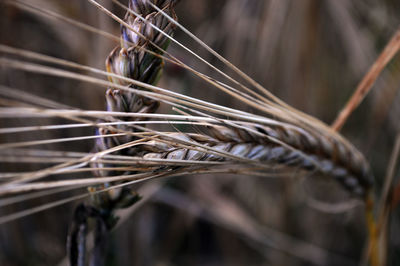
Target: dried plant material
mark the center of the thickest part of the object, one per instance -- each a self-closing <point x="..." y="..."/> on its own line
<point x="249" y="134"/>
<point x="368" y="81"/>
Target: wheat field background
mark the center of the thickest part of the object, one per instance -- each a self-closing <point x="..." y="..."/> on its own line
<point x="310" y="53"/>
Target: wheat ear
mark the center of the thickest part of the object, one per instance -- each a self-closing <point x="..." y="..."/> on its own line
<point x="291" y="144"/>
<point x="132" y="61"/>
<point x="283" y="143"/>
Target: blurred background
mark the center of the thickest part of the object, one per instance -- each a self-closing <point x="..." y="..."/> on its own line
<point x="310" y="53"/>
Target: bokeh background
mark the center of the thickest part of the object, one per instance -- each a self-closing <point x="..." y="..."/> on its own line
<point x="310" y="53"/>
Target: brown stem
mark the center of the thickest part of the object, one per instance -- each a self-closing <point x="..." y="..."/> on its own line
<point x="368" y="81"/>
